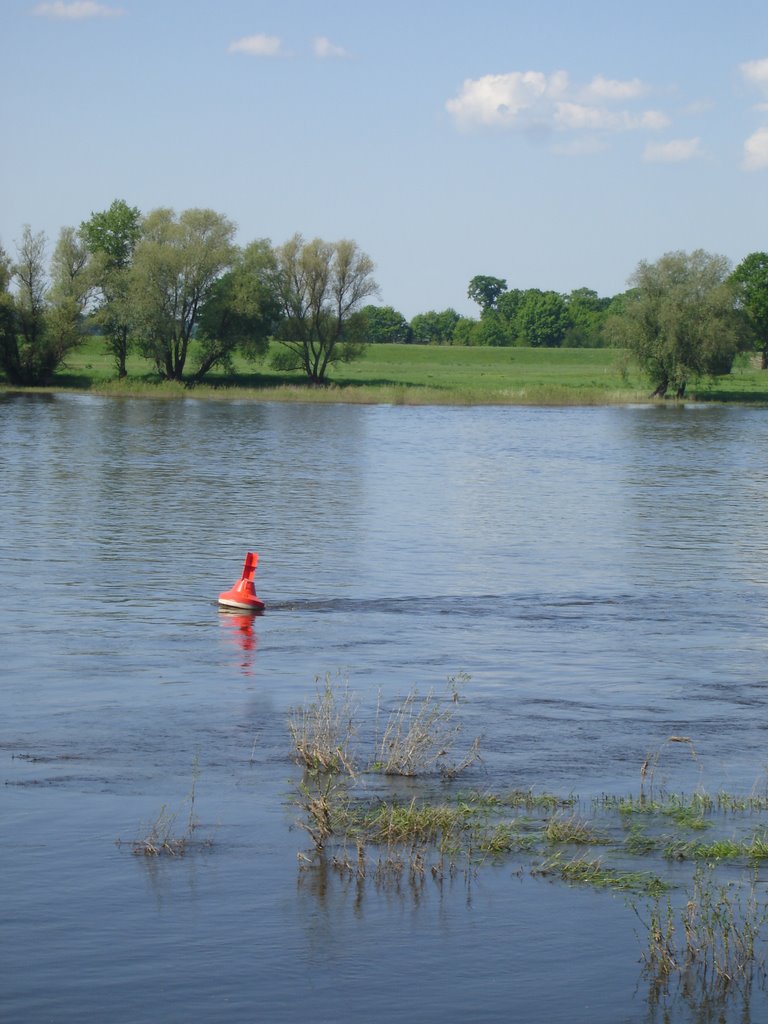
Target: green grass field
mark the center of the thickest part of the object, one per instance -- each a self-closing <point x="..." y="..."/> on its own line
<point x="424" y="375"/>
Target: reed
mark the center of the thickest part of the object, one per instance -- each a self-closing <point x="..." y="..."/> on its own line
<point x="162" y="837"/>
<point x="420" y="735"/>
<point x="322" y="731"/>
<point x="712" y="943"/>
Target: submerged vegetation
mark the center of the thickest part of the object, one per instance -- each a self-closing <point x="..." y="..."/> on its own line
<point x="166" y="835"/>
<point x="701" y="933"/>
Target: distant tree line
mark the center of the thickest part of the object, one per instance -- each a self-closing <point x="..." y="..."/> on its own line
<point x="177" y="290"/>
<point x="684" y="317"/>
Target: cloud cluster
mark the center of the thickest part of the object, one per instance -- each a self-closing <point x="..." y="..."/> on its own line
<point x="76" y="10"/>
<point x="534" y="99"/>
<point x="261" y="45"/>
<point x="755" y="73"/>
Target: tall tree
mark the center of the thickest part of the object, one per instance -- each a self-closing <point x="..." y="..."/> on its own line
<point x="241" y="312"/>
<point x="7" y="314"/>
<point x="485" y="291"/>
<point x="176" y="264"/>
<point x="679" y="320"/>
<point x="111" y="237"/>
<point x="751" y="280"/>
<point x="40" y="324"/>
<point x="321" y="286"/>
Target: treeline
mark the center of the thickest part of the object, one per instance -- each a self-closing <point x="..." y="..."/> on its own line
<point x="530" y="317"/>
<point x="177" y="290"/>
<point x="684" y="317"/>
<point x="156" y="283"/>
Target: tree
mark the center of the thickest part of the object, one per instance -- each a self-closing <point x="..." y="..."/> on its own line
<point x="507" y="306"/>
<point x="751" y="281"/>
<point x="542" y="318"/>
<point x="39" y="325"/>
<point x="7" y="314"/>
<point x="111" y="237"/>
<point x="70" y="290"/>
<point x="241" y="312"/>
<point x="320" y="287"/>
<point x="176" y="263"/>
<point x="465" y="331"/>
<point x="485" y="291"/>
<point x="433" y="328"/>
<point x="586" y="315"/>
<point x="384" y="325"/>
<point x="679" y="320"/>
<point x="493" y="330"/>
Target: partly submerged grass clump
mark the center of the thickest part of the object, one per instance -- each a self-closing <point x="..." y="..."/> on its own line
<point x="163" y="836"/>
<point x="420" y="735"/>
<point x="711" y="944"/>
<point x="755" y="848"/>
<point x="418" y="738"/>
<point x="591" y="871"/>
<point x="322" y="730"/>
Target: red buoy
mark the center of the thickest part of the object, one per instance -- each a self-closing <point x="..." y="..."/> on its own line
<point x="243" y="594"/>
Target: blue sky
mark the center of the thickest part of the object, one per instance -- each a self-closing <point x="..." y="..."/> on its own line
<point x="552" y="143"/>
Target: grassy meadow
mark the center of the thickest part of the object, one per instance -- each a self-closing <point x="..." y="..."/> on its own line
<point x="422" y="375"/>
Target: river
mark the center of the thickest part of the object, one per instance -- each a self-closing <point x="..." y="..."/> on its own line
<point x="599" y="575"/>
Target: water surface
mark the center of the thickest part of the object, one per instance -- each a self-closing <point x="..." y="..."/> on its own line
<point x="599" y="573"/>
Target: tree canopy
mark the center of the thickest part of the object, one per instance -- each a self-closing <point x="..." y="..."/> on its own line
<point x="320" y="286"/>
<point x="434" y="328"/>
<point x="111" y="237"/>
<point x="485" y="290"/>
<point x="40" y="317"/>
<point x="679" y="320"/>
<point x="384" y="324"/>
<point x="542" y="318"/>
<point x="176" y="263"/>
<point x="751" y="281"/>
<point x="241" y="311"/>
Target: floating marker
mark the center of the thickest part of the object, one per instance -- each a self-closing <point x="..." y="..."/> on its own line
<point x="243" y="594"/>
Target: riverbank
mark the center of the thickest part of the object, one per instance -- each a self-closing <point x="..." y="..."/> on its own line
<point x="420" y="375"/>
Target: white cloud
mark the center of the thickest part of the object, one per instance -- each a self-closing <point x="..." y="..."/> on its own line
<point x="500" y="99"/>
<point x="76" y="10"/>
<point x="649" y="120"/>
<point x="755" y="71"/>
<point x="324" y="48"/>
<point x="533" y="99"/>
<point x="674" y="151"/>
<point x="258" y="45"/>
<point x="756" y="151"/>
<point x="601" y="88"/>
<point x="578" y="117"/>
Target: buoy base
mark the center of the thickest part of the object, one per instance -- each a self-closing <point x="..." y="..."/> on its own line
<point x="249" y="606"/>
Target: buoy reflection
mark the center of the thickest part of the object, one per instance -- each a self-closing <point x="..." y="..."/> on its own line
<point x="240" y="631"/>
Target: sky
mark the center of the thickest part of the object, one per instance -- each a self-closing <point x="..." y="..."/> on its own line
<point x="551" y="143"/>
